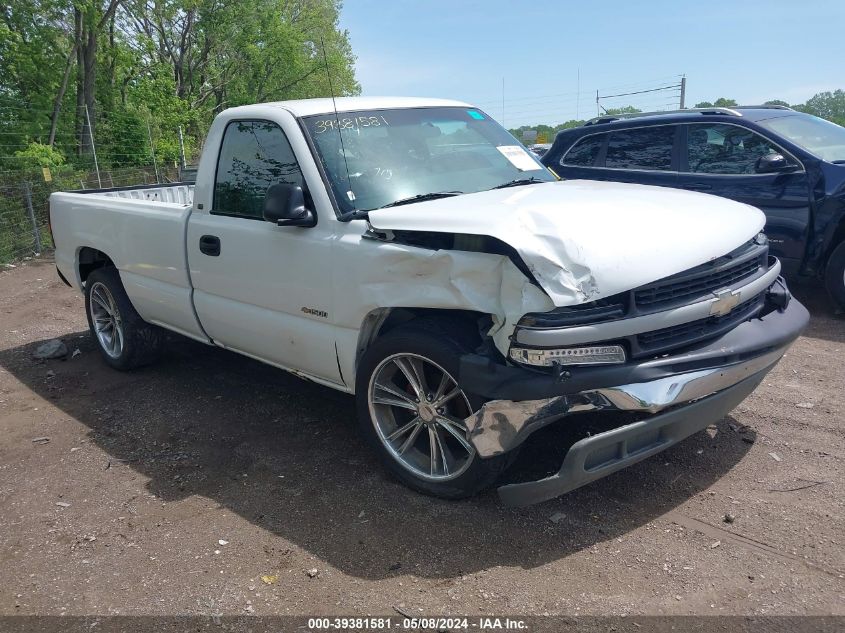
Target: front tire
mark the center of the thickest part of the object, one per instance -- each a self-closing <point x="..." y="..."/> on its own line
<point x="124" y="339"/>
<point x="411" y="410"/>
<point x="834" y="277"/>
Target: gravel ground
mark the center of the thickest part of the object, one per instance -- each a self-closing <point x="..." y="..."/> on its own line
<point x="212" y="484"/>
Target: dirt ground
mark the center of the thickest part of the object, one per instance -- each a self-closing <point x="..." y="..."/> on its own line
<point x="212" y="484"/>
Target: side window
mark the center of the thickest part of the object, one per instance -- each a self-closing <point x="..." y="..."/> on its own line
<point x="714" y="148"/>
<point x="641" y="148"/>
<point x="585" y="151"/>
<point x="253" y="156"/>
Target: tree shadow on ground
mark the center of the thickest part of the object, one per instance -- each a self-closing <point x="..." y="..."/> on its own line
<point x="285" y="455"/>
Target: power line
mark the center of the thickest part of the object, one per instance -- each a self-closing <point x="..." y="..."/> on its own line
<point x="622" y="86"/>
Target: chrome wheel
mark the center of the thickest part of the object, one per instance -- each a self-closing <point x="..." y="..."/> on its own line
<point x="418" y="410"/>
<point x="106" y="320"/>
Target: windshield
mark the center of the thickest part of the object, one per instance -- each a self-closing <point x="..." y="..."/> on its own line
<point x="394" y="155"/>
<point x="819" y="137"/>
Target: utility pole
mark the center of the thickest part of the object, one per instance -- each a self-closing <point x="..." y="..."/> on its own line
<point x="683" y="90"/>
<point x="598" y="113"/>
<point x="93" y="147"/>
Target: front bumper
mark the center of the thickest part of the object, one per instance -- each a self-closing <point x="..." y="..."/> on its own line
<point x="699" y="385"/>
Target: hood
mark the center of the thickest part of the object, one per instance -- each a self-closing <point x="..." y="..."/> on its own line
<point x="583" y="239"/>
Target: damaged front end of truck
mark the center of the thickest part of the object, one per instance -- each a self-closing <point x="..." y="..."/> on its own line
<point x="576" y="331"/>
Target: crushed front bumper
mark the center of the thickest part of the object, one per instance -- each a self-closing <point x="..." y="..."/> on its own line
<point x="686" y="392"/>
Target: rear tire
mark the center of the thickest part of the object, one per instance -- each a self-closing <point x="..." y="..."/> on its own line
<point x="834" y="277"/>
<point x="124" y="339"/>
<point x="400" y="387"/>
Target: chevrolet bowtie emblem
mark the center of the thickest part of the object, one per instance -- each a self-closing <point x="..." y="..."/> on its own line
<point x="726" y="300"/>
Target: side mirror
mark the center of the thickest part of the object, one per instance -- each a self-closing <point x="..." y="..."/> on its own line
<point x="773" y="164"/>
<point x="284" y="204"/>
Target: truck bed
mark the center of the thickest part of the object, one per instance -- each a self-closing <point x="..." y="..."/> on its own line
<point x="177" y="193"/>
<point x="142" y="230"/>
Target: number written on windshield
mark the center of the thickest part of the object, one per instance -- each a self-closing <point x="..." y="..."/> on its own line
<point x="349" y="123"/>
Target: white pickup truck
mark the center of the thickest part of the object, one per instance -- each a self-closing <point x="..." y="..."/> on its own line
<point x="411" y="252"/>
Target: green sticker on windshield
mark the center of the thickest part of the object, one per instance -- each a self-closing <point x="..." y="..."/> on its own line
<point x="475" y="115"/>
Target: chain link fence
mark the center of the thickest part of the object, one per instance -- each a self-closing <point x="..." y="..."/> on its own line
<point x="22" y="231"/>
<point x="24" y="202"/>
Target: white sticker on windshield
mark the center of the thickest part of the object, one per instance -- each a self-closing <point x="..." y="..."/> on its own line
<point x="519" y="157"/>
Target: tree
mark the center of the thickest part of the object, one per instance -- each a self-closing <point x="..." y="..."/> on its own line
<point x="546" y="131"/>
<point x="827" y="105"/>
<point x="721" y="102"/>
<point x="776" y="102"/>
<point x="623" y="110"/>
<point x="141" y="68"/>
<point x="89" y="20"/>
<point x="33" y="44"/>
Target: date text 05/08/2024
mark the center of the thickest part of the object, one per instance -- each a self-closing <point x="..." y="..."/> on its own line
<point x="416" y="624"/>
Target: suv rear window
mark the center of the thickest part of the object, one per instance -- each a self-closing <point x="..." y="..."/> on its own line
<point x="642" y="148"/>
<point x="584" y="152"/>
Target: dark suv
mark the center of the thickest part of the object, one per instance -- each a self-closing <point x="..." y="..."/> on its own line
<point x="789" y="164"/>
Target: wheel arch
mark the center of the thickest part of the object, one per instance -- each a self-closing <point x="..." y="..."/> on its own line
<point x="470" y="324"/>
<point x="89" y="259"/>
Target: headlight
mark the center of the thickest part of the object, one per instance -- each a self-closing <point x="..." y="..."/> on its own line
<point x="594" y="355"/>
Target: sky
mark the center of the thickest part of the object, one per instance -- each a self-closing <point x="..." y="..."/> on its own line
<point x="533" y="53"/>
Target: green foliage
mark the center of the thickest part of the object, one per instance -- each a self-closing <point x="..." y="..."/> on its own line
<point x="153" y="67"/>
<point x="122" y="138"/>
<point x="721" y="102"/>
<point x="827" y="105"/>
<point x="545" y="131"/>
<point x="624" y="110"/>
<point x="157" y="66"/>
<point x="38" y="155"/>
<point x="776" y="102"/>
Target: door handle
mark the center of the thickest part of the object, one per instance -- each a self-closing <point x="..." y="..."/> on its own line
<point x="210" y="245"/>
<point x="697" y="187"/>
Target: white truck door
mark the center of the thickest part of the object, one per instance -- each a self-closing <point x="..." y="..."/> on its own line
<point x="261" y="289"/>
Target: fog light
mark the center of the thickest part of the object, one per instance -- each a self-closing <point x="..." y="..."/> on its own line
<point x="594" y="355"/>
